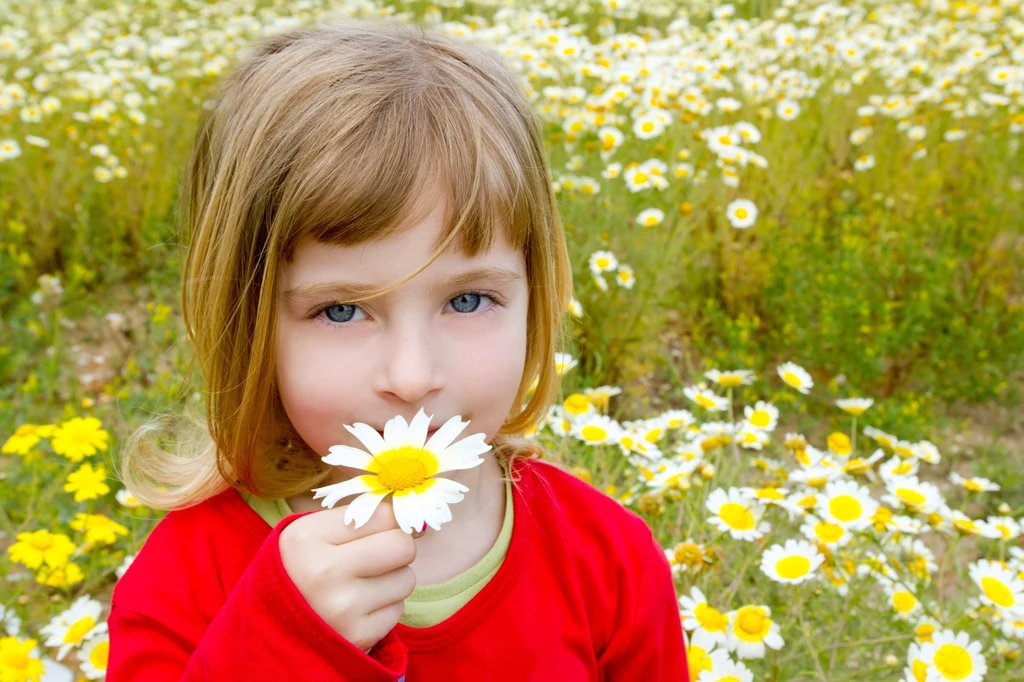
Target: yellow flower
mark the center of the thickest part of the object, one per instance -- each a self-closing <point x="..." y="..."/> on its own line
<point x="79" y="437"/>
<point x="32" y="549"/>
<point x="99" y="529"/>
<point x="87" y="483"/>
<point x="62" y="576"/>
<point x="839" y="443"/>
<point x="25" y="438"/>
<point x="16" y="664"/>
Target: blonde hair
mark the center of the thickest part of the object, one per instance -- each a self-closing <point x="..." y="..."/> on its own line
<point x="335" y="134"/>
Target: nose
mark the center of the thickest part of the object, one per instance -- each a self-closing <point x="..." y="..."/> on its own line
<point x="411" y="364"/>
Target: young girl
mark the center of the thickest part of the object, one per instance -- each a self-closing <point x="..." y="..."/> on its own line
<point x="372" y="231"/>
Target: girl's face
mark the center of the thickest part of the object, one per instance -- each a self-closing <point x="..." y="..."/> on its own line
<point x="451" y="340"/>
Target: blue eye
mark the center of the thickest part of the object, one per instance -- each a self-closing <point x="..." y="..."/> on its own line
<point x="344" y="307"/>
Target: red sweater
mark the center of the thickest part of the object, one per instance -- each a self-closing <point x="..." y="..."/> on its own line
<point x="584" y="593"/>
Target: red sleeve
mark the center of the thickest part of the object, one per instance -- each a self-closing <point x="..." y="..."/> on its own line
<point x="265" y="630"/>
<point x="649" y="644"/>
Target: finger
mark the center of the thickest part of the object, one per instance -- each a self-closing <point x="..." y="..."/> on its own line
<point x="381" y="621"/>
<point x="377" y="554"/>
<point x="380" y="591"/>
<point x="333" y="529"/>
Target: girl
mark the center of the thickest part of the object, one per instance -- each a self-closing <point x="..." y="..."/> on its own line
<point x="377" y="164"/>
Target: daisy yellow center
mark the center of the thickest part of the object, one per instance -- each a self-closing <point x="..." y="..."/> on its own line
<point x="903" y="468"/>
<point x="839" y="443"/>
<point x="576" y="404"/>
<point x="770" y="494"/>
<point x="760" y="419"/>
<point x="710" y="618"/>
<point x="729" y="678"/>
<point x="828" y="532"/>
<point x="793" y="567"/>
<point x="953" y="661"/>
<point x="688" y="554"/>
<point x="741" y="213"/>
<point x="698" y="659"/>
<point x="751" y="625"/>
<point x="704" y="401"/>
<point x="792" y="379"/>
<point x="920" y="670"/>
<point x="77" y="631"/>
<point x="737" y="516"/>
<point x="997" y="591"/>
<point x="732" y="380"/>
<point x="925" y="631"/>
<point x="602" y="262"/>
<point x="903" y="602"/>
<point x="99" y="655"/>
<point x="846" y="508"/>
<point x="593" y="433"/>
<point x="405" y="467"/>
<point x="974" y="486"/>
<point x="911" y="497"/>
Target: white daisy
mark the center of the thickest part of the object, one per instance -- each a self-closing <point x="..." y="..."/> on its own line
<point x="564" y="362"/>
<point x="73" y="626"/>
<point x="847" y="504"/>
<point x="702" y="654"/>
<point x="737" y="514"/>
<point x="731" y="377"/>
<point x="1000" y="587"/>
<point x="725" y="671"/>
<point x="831" y="535"/>
<point x="94" y="655"/>
<point x="855" y="406"/>
<point x="975" y="484"/>
<point x="404" y="464"/>
<point x="596" y="429"/>
<point x="915" y="495"/>
<point x="751" y="629"/>
<point x="953" y="656"/>
<point x="763" y="415"/>
<point x="741" y="213"/>
<point x="602" y="261"/>
<point x="698" y="616"/>
<point x="706" y="398"/>
<point x="796" y="377"/>
<point x="792" y="563"/>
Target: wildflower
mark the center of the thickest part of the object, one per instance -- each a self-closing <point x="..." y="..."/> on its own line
<point x="731" y="378"/>
<point x="726" y="671"/>
<point x="763" y="415"/>
<point x="35" y="548"/>
<point x="575" y="308"/>
<point x="87" y="483"/>
<point x="564" y="362"/>
<point x="741" y="213"/>
<point x="974" y="484"/>
<point x="751" y="629"/>
<point x="737" y="514"/>
<point x="700" y="617"/>
<point x="847" y="504"/>
<point x="127" y="499"/>
<point x="72" y="627"/>
<point x="855" y="406"/>
<point x="26" y="437"/>
<point x="1002" y="527"/>
<point x="9" y="149"/>
<point x="903" y="602"/>
<point x="859" y="465"/>
<point x="94" y="655"/>
<point x="99" y="529"/>
<point x="792" y="563"/>
<point x="678" y="419"/>
<point x="702" y="656"/>
<point x="953" y="656"/>
<point x="795" y="377"/>
<point x="839" y="443"/>
<point x="577" y="406"/>
<point x="706" y="399"/>
<point x="61" y="576"/>
<point x="824" y="533"/>
<point x="864" y="162"/>
<point x="787" y="110"/>
<point x="688" y="556"/>
<point x="602" y="261"/>
<point x="19" y="659"/>
<point x="650" y="217"/>
<point x="79" y="437"/>
<point x="596" y="429"/>
<point x="403" y="463"/>
<point x="1000" y="587"/>
<point x="37" y="141"/>
<point x="624" y="277"/>
<point x="917" y="496"/>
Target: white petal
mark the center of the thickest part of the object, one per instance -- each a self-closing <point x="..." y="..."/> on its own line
<point x="339" y="491"/>
<point x="368" y="436"/>
<point x="463" y="455"/>
<point x="362" y="508"/>
<point x="395" y="431"/>
<point x="435" y="516"/>
<point x="408" y="512"/>
<point x="446" y="490"/>
<point x="343" y="455"/>
<point x="444" y="436"/>
<point x="417" y="434"/>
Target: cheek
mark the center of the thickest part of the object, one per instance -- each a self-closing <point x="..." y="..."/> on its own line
<point x="315" y="388"/>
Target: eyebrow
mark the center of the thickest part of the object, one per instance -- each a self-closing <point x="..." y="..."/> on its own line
<point x="357" y="289"/>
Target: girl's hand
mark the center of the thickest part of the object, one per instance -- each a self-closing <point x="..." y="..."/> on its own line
<point x="356" y="580"/>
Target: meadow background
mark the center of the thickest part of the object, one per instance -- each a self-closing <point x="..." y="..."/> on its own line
<point x="771" y="207"/>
